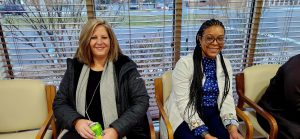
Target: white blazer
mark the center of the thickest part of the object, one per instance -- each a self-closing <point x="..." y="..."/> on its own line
<point x="177" y="102"/>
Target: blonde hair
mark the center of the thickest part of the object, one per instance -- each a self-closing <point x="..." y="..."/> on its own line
<point x="84" y="53"/>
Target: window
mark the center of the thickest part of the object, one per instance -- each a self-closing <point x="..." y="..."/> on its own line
<point x="37" y="41"/>
<point x="145" y="34"/>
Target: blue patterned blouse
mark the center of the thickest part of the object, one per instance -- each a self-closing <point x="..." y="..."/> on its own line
<point x="210" y="87"/>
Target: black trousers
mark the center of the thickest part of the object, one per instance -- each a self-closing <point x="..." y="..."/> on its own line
<point x="212" y="120"/>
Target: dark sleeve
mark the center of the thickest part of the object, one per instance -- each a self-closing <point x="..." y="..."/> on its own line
<point x="272" y="100"/>
<point x="139" y="103"/>
<point x="64" y="110"/>
<point x="292" y="86"/>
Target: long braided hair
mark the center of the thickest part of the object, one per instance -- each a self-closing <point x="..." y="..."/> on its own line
<point x="196" y="89"/>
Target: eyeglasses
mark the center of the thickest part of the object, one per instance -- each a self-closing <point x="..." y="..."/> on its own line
<point x="209" y="39"/>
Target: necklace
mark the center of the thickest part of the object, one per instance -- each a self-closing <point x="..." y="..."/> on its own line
<point x="88" y="106"/>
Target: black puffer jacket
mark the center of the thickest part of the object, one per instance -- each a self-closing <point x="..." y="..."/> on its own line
<point x="131" y="98"/>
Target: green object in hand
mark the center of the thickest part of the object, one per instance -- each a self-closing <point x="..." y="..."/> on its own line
<point x="96" y="128"/>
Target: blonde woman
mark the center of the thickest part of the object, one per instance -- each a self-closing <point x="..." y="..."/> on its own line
<point x="101" y="85"/>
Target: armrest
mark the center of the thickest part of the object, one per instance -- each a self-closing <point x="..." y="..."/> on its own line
<point x="151" y="127"/>
<point x="271" y="120"/>
<point x="249" y="126"/>
<point x="51" y="92"/>
<point x="45" y="126"/>
<point x="166" y="120"/>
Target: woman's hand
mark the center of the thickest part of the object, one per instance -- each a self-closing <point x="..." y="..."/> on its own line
<point x="233" y="132"/>
<point x="110" y="133"/>
<point x="83" y="128"/>
<point x="208" y="136"/>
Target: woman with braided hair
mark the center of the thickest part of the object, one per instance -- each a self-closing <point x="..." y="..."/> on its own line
<point x="201" y="104"/>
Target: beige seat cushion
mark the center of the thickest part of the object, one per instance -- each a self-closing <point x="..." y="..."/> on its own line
<point x="23" y="105"/>
<point x="25" y="135"/>
<point x="257" y="79"/>
<point x="167" y="88"/>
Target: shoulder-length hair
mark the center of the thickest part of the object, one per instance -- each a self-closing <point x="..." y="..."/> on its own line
<point x="84" y="53"/>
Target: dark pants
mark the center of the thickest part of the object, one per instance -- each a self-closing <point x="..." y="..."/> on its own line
<point x="183" y="132"/>
<point x="212" y="120"/>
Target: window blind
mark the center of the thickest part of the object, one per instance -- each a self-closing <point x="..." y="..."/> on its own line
<point x="279" y="32"/>
<point x="38" y="37"/>
<point x="145" y="34"/>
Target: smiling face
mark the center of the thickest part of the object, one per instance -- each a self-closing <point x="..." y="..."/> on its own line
<point x="212" y="41"/>
<point x="100" y="43"/>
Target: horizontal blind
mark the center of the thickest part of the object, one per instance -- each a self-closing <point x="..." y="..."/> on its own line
<point x="145" y="34"/>
<point x="39" y="36"/>
<point x="279" y="32"/>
